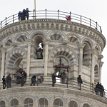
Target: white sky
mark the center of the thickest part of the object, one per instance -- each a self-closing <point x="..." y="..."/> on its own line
<point x="94" y="9"/>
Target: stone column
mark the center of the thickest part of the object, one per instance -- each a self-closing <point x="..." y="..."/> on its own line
<point x="46" y="60"/>
<point x="80" y="60"/>
<point x="3" y="63"/>
<point x="92" y="66"/>
<point x="28" y="59"/>
<point x="35" y="104"/>
<point x="47" y="78"/>
<point x="100" y="66"/>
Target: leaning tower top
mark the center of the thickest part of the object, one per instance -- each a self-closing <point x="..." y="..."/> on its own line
<point x="54" y="56"/>
<point x="68" y="18"/>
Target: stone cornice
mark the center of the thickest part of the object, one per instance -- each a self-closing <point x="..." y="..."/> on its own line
<point x="52" y="90"/>
<point x="53" y="24"/>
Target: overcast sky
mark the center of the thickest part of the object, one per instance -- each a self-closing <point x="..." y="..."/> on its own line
<point x="94" y="9"/>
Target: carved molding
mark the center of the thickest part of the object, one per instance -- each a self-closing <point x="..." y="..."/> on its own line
<point x="52" y="24"/>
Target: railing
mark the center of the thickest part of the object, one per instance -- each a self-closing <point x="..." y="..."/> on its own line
<point x="73" y="85"/>
<point x="49" y="14"/>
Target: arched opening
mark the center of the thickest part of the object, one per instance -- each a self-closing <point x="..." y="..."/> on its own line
<point x="2" y="104"/>
<point x="38" y="48"/>
<point x="22" y="38"/>
<point x="15" y="61"/>
<point x="28" y="102"/>
<point x="87" y="54"/>
<point x="72" y="104"/>
<point x="43" y="102"/>
<point x="56" y="37"/>
<point x="14" y="103"/>
<point x="61" y="69"/>
<point x="14" y="65"/>
<point x="86" y="105"/>
<point x="96" y="74"/>
<point x="8" y="43"/>
<point x="58" y="103"/>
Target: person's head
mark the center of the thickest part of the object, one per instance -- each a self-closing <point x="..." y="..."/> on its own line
<point x="27" y="9"/>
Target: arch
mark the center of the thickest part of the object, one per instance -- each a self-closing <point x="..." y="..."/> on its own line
<point x="28" y="102"/>
<point x="72" y="104"/>
<point x="21" y="38"/>
<point x="43" y="102"/>
<point x="38" y="33"/>
<point x="74" y="38"/>
<point x="96" y="74"/>
<point x="87" y="54"/>
<point x="66" y="52"/>
<point x="2" y="103"/>
<point x="15" y="60"/>
<point x="58" y="103"/>
<point x="9" y="42"/>
<point x="38" y="47"/>
<point x="56" y="36"/>
<point x="86" y="105"/>
<point x="14" y="103"/>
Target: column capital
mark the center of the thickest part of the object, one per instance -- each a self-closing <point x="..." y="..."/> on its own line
<point x="100" y="57"/>
<point x="81" y="47"/>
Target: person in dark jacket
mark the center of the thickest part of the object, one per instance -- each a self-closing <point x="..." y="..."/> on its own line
<point x="4" y="82"/>
<point x="101" y="90"/>
<point x="8" y="81"/>
<point x="33" y="80"/>
<point x="53" y="79"/>
<point x="19" y="15"/>
<point x="27" y="13"/>
<point x="79" y="80"/>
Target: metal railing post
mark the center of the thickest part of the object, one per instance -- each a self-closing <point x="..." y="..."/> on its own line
<point x="70" y="14"/>
<point x="80" y="19"/>
<point x="58" y="14"/>
<point x="100" y="29"/>
<point x="33" y="13"/>
<point x="96" y="25"/>
<point x="6" y="21"/>
<point x="45" y="13"/>
<point x="13" y="18"/>
<point x="90" y="22"/>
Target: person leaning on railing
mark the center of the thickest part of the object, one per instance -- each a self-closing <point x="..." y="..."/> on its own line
<point x="23" y="15"/>
<point x="99" y="89"/>
<point x="79" y="80"/>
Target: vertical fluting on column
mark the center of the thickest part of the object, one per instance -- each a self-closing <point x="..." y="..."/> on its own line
<point x="28" y="59"/>
<point x="3" y="62"/>
<point x="80" y="60"/>
<point x="46" y="60"/>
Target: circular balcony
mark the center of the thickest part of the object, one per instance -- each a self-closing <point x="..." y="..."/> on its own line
<point x="49" y="14"/>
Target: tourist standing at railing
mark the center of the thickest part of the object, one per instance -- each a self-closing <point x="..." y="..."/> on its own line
<point x="4" y="82"/>
<point x="19" y="15"/>
<point x="99" y="89"/>
<point x="27" y="13"/>
<point x="33" y="80"/>
<point x="53" y="79"/>
<point x="79" y="80"/>
<point x="24" y="14"/>
<point x="8" y="81"/>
